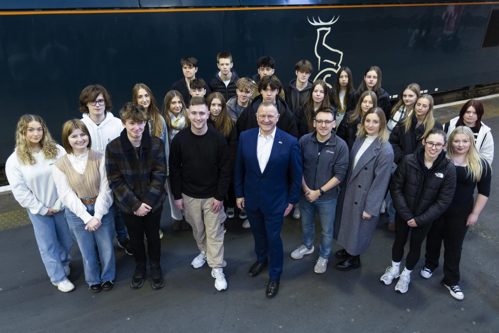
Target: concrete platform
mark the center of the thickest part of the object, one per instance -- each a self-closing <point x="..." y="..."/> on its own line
<point x="333" y="302"/>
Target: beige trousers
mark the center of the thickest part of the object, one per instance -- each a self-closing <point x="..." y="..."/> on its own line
<point x="207" y="228"/>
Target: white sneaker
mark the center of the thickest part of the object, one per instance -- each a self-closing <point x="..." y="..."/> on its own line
<point x="230" y="213"/>
<point x="246" y="224"/>
<point x="426" y="273"/>
<point x="65" y="286"/>
<point x="403" y="283"/>
<point x="220" y="282"/>
<point x="391" y="273"/>
<point x="301" y="251"/>
<point x="455" y="291"/>
<point x="296" y="213"/>
<point x="199" y="260"/>
<point x="321" y="265"/>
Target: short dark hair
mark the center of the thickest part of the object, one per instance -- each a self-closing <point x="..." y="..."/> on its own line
<point x="304" y="66"/>
<point x="224" y="54"/>
<point x="265" y="61"/>
<point x="189" y="61"/>
<point x="326" y="110"/>
<point x="133" y="112"/>
<point x="198" y="100"/>
<point x="68" y="128"/>
<point x="90" y="93"/>
<point x="269" y="80"/>
<point x="197" y="84"/>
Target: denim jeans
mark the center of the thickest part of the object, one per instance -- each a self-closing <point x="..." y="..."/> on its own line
<point x="327" y="211"/>
<point x="54" y="243"/>
<point x="119" y="224"/>
<point x="96" y="247"/>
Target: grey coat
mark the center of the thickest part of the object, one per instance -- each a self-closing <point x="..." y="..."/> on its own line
<point x="364" y="190"/>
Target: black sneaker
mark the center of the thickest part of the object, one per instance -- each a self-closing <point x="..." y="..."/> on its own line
<point x="125" y="245"/>
<point x="138" y="278"/>
<point x="108" y="285"/>
<point x="157" y="280"/>
<point x="95" y="288"/>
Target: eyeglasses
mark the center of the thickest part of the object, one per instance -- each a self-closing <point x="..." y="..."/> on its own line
<point x="434" y="144"/>
<point x="325" y="122"/>
<point x="99" y="102"/>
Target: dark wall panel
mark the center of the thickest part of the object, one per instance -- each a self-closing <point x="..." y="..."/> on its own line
<point x="46" y="60"/>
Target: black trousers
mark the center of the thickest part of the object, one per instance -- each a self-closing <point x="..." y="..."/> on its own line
<point x="148" y="225"/>
<point x="417" y="236"/>
<point x="450" y="229"/>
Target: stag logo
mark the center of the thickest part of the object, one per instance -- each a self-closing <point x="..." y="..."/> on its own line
<point x="328" y="58"/>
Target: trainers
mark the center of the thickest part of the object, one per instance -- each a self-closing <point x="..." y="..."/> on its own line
<point x="301" y="251"/>
<point x="161" y="234"/>
<point x="321" y="265"/>
<point x="243" y="215"/>
<point x="125" y="245"/>
<point x="65" y="286"/>
<point x="391" y="273"/>
<point x="199" y="260"/>
<point x="296" y="213"/>
<point x="230" y="213"/>
<point x="246" y="224"/>
<point x="455" y="291"/>
<point x="403" y="283"/>
<point x="138" y="277"/>
<point x="157" y="280"/>
<point x="426" y="273"/>
<point x="220" y="282"/>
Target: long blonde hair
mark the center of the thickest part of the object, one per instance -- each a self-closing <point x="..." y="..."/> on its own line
<point x="383" y="133"/>
<point x="416" y="89"/>
<point x="429" y="120"/>
<point x="23" y="147"/>
<point x="473" y="159"/>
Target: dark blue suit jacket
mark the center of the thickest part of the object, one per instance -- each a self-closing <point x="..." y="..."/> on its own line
<point x="279" y="184"/>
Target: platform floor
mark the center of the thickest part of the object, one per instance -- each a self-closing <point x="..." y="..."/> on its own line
<point x="333" y="302"/>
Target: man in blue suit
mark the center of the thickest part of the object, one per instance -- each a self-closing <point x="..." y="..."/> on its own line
<point x="268" y="175"/>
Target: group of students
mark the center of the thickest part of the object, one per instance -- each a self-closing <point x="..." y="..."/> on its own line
<point x="114" y="172"/>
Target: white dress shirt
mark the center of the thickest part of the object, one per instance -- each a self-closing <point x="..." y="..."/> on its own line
<point x="264" y="148"/>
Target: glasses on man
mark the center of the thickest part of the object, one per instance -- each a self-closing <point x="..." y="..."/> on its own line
<point x="437" y="145"/>
<point x="323" y="122"/>
<point x="99" y="101"/>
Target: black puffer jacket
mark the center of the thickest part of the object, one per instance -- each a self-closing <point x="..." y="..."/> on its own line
<point x="348" y="131"/>
<point x="405" y="143"/>
<point x="422" y="193"/>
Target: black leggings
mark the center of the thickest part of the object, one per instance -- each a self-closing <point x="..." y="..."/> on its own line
<point x="417" y="236"/>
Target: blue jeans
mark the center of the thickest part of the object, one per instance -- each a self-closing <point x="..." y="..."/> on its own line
<point x="96" y="247"/>
<point x="327" y="211"/>
<point x="119" y="224"/>
<point x="54" y="243"/>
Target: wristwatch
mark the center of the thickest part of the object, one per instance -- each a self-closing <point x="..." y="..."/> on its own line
<point x="321" y="191"/>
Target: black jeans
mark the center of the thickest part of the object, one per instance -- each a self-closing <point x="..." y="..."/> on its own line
<point x="148" y="225"/>
<point x="450" y="229"/>
<point x="417" y="236"/>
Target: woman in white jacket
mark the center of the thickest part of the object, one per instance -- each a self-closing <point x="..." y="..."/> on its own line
<point x="471" y="116"/>
<point x="29" y="172"/>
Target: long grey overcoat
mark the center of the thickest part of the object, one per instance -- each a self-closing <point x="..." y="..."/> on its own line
<point x="364" y="190"/>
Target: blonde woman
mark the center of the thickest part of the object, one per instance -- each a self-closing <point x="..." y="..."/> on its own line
<point x="407" y="136"/>
<point x="472" y="172"/>
<point x="371" y="159"/>
<point x="29" y="172"/>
